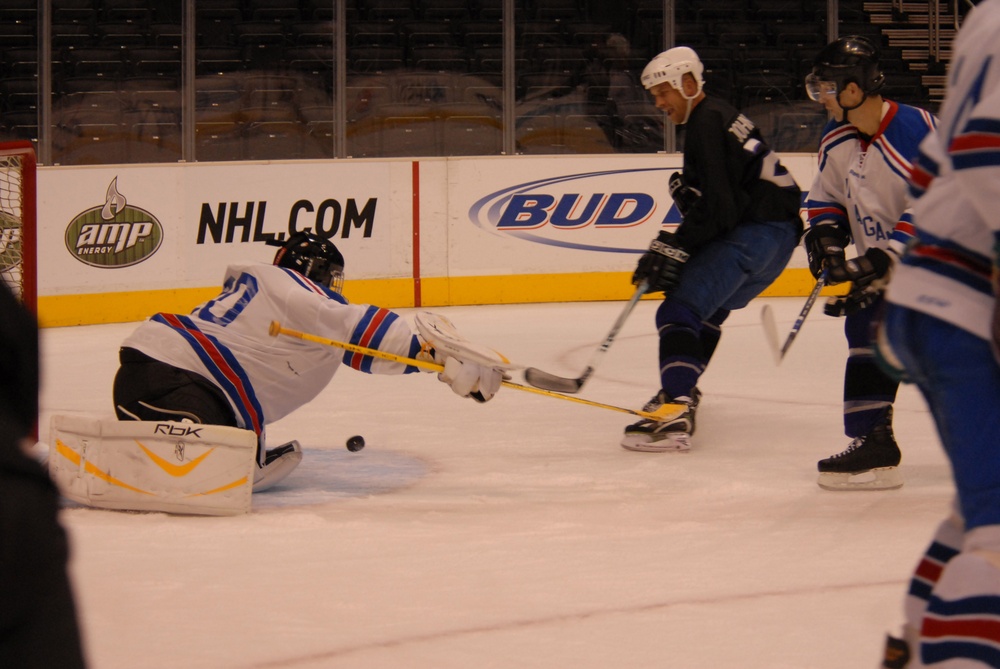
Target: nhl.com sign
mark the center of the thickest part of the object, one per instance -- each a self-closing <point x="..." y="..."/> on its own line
<point x="592" y="211"/>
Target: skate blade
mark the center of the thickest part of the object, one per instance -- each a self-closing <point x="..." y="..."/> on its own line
<point x="675" y="443"/>
<point x="880" y="478"/>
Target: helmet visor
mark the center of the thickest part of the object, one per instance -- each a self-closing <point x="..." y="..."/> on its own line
<point x="336" y="283"/>
<point x="818" y="88"/>
<point x="327" y="273"/>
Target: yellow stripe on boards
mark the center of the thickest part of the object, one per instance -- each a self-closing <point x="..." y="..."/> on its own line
<point x="127" y="307"/>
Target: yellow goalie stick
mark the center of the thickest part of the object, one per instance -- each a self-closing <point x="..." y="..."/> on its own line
<point x="665" y="412"/>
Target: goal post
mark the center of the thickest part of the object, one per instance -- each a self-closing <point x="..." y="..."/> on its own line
<point x="18" y="240"/>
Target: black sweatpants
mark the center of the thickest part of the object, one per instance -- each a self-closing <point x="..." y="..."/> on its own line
<point x="147" y="389"/>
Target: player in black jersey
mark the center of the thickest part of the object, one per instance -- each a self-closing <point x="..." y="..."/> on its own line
<point x="741" y="223"/>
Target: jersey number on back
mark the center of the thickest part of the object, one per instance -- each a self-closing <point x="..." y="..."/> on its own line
<point x="235" y="297"/>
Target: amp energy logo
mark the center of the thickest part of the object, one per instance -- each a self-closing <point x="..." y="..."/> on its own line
<point x="115" y="234"/>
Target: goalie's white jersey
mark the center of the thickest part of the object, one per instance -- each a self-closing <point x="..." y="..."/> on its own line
<point x="226" y="340"/>
<point x="957" y="179"/>
<point x="861" y="186"/>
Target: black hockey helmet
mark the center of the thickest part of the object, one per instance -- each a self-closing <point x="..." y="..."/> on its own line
<point x="314" y="257"/>
<point x="849" y="59"/>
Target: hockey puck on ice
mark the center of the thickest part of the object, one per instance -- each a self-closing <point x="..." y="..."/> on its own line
<point x="355" y="443"/>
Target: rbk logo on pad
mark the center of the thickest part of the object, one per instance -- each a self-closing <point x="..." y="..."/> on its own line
<point x="174" y="430"/>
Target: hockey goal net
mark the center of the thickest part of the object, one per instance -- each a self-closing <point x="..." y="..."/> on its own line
<point x="17" y="220"/>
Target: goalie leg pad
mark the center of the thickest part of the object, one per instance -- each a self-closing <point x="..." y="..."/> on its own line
<point x="182" y="468"/>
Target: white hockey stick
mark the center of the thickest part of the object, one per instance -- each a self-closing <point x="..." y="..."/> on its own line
<point x="771" y="328"/>
<point x="665" y="412"/>
<point x="561" y="384"/>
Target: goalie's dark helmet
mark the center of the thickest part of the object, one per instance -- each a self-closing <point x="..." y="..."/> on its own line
<point x="314" y="257"/>
<point x="850" y="59"/>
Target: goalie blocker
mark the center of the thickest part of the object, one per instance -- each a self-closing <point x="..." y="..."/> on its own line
<point x="153" y="466"/>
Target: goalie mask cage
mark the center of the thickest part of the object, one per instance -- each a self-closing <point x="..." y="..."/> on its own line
<point x="18" y="259"/>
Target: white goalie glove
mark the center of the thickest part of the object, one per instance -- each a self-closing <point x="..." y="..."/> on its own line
<point x="469" y="379"/>
<point x="471" y="370"/>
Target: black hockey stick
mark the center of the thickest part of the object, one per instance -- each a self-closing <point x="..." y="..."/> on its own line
<point x="771" y="328"/>
<point x="547" y="381"/>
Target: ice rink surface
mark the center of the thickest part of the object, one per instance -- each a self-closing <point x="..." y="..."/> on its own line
<point x="518" y="534"/>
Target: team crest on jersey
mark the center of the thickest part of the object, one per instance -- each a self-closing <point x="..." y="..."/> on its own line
<point x="114" y="234"/>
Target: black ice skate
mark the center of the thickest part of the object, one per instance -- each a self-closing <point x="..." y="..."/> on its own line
<point x="672" y="435"/>
<point x="278" y="463"/>
<point x="869" y="463"/>
<point x="897" y="653"/>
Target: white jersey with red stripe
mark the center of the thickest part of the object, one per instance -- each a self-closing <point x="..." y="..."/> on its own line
<point x="861" y="186"/>
<point x="957" y="179"/>
<point x="226" y="340"/>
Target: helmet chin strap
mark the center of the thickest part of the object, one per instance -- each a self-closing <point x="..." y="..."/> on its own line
<point x="690" y="106"/>
<point x="864" y="96"/>
<point x="687" y="113"/>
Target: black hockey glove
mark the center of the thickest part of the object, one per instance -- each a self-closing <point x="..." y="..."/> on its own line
<point x="825" y="248"/>
<point x="661" y="265"/>
<point x="863" y="270"/>
<point x="684" y="196"/>
<point x="868" y="275"/>
<point x="854" y="301"/>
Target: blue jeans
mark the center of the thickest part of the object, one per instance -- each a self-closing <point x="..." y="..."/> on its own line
<point x="960" y="379"/>
<point x="723" y="275"/>
<point x="729" y="272"/>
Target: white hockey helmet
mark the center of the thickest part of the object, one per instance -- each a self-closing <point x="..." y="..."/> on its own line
<point x="671" y="66"/>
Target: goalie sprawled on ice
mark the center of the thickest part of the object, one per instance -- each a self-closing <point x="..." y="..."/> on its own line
<point x="218" y="366"/>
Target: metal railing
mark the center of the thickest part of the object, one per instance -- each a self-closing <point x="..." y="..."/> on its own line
<point x="936" y="22"/>
<point x="633" y="124"/>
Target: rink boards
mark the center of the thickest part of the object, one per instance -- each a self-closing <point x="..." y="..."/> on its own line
<point x="117" y="243"/>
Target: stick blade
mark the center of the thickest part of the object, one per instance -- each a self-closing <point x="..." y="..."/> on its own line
<point x="667" y="411"/>
<point x="559" y="384"/>
<point x="771" y="333"/>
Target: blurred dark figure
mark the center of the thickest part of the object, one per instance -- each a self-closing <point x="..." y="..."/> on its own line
<point x="38" y="624"/>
